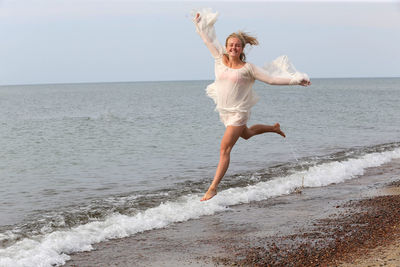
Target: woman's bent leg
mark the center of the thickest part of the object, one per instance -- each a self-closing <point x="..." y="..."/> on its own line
<point x="260" y="129"/>
<point x="231" y="135"/>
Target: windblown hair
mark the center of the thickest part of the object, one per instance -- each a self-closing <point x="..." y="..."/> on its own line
<point x="245" y="39"/>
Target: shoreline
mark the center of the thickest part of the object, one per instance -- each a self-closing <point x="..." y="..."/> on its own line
<point x="334" y="225"/>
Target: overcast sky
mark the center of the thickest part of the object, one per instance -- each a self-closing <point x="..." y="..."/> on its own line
<point x="69" y="41"/>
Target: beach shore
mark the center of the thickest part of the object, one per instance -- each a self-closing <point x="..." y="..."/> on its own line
<point x="355" y="223"/>
<point x="386" y="252"/>
<point x="386" y="255"/>
<point x="365" y="233"/>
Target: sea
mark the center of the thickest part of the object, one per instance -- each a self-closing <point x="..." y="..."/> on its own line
<point x="90" y="162"/>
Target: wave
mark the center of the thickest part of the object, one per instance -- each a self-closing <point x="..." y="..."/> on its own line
<point x="52" y="248"/>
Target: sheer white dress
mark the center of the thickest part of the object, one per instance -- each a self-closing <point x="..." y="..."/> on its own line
<point x="232" y="89"/>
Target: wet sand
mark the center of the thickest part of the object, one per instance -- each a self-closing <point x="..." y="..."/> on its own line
<point x="351" y="222"/>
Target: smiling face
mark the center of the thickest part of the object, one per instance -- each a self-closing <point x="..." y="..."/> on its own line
<point x="234" y="47"/>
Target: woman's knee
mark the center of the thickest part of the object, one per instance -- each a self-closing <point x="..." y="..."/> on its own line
<point x="232" y="133"/>
<point x="225" y="150"/>
<point x="246" y="134"/>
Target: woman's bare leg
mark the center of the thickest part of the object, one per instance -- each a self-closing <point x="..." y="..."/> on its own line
<point x="260" y="129"/>
<point x="231" y="135"/>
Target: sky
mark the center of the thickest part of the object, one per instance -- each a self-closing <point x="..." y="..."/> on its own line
<point x="73" y="41"/>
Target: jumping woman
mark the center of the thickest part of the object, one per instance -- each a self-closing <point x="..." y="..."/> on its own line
<point x="232" y="90"/>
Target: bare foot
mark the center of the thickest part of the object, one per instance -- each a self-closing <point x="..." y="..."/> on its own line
<point x="277" y="129"/>
<point x="209" y="194"/>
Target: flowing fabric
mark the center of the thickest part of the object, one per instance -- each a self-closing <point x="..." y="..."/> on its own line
<point x="282" y="67"/>
<point x="232" y="89"/>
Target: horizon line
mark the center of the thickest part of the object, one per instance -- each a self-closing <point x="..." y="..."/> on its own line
<point x="188" y="80"/>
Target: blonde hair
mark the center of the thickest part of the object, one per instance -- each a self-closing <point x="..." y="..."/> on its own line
<point x="245" y="39"/>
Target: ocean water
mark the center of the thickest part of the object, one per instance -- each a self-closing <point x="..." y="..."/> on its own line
<point x="84" y="163"/>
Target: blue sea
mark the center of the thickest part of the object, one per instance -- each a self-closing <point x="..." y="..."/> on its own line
<point x="85" y="163"/>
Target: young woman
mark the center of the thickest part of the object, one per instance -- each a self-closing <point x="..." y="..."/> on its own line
<point x="232" y="90"/>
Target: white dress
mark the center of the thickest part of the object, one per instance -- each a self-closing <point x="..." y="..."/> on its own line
<point x="232" y="89"/>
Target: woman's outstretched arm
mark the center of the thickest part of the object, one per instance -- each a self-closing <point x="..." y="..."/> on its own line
<point x="261" y="75"/>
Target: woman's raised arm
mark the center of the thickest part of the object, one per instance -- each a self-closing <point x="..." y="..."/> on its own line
<point x="204" y="21"/>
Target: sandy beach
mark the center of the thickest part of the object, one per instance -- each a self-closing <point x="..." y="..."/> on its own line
<point x="386" y="255"/>
<point x="355" y="223"/>
<point x="387" y="251"/>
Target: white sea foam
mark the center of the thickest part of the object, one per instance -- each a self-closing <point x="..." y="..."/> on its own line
<point x="53" y="248"/>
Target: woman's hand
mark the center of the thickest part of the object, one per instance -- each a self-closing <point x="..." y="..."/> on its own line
<point x="304" y="82"/>
<point x="197" y="18"/>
